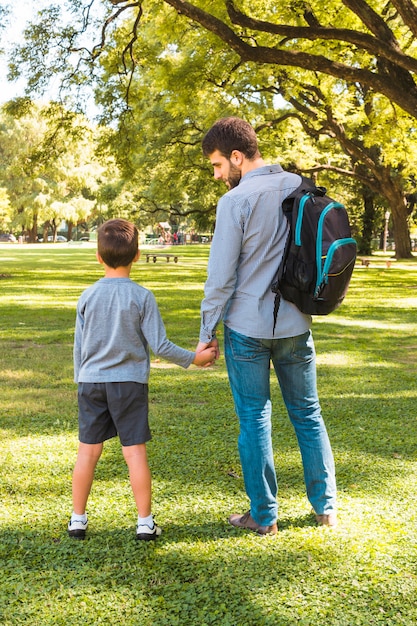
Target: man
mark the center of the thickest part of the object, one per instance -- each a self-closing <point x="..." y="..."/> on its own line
<point x="247" y="247"/>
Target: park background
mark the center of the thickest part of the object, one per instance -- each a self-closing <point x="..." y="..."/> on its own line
<point x="103" y="112"/>
<point x="112" y="99"/>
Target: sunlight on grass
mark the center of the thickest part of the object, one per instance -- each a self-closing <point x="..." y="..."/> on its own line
<point x="39" y="300"/>
<point x="202" y="571"/>
<point x="349" y="360"/>
<point x="370" y="323"/>
<point x="18" y="377"/>
<point x="400" y="395"/>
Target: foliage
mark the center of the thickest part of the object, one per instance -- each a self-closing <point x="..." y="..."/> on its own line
<point x="47" y="167"/>
<point x="339" y="126"/>
<point x="158" y="138"/>
<point x="379" y="161"/>
<point x="372" y="45"/>
<point x="201" y="570"/>
<point x="161" y="80"/>
<point x="4" y="210"/>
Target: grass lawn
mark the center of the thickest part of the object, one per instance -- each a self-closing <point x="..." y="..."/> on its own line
<point x="202" y="571"/>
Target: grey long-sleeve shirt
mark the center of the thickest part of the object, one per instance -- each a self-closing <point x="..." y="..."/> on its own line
<point x="117" y="321"/>
<point x="246" y="250"/>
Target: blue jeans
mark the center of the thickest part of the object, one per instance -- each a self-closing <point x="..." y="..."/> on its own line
<point x="294" y="361"/>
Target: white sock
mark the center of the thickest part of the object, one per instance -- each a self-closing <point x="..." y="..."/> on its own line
<point x="80" y="518"/>
<point x="146" y="520"/>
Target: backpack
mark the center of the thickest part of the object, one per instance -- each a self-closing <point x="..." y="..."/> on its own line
<point x="319" y="254"/>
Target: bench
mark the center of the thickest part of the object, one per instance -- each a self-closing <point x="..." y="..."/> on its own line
<point x="154" y="256"/>
<point x="367" y="263"/>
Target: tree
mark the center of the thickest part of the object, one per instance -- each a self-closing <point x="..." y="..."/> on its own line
<point x="5" y="210"/>
<point x="45" y="168"/>
<point x="381" y="155"/>
<point x="157" y="140"/>
<point x="169" y="122"/>
<point x="374" y="48"/>
<point x="374" y="52"/>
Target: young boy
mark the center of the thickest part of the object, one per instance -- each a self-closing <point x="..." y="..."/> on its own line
<point x="117" y="321"/>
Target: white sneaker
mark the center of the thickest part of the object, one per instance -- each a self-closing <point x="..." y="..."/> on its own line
<point x="146" y="533"/>
<point x="77" y="528"/>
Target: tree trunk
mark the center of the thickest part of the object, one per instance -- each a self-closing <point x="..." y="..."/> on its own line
<point x="398" y="206"/>
<point x="54" y="230"/>
<point x="33" y="231"/>
<point x="401" y="235"/>
<point x="45" y="231"/>
<point x="368" y="220"/>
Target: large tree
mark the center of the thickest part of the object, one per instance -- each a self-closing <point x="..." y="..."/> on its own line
<point x="374" y="51"/>
<point x="378" y="139"/>
<point x="46" y="170"/>
<point x="375" y="46"/>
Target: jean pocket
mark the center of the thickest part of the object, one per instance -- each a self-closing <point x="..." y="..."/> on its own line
<point x="303" y="348"/>
<point x="243" y="348"/>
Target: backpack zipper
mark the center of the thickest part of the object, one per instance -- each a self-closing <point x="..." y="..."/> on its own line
<point x="324" y="277"/>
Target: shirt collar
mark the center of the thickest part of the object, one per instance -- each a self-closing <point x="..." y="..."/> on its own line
<point x="262" y="171"/>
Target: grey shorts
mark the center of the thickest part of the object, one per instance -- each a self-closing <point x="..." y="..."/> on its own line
<point x="109" y="409"/>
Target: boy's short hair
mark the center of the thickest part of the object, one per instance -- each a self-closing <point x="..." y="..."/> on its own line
<point x="228" y="134"/>
<point x="117" y="242"/>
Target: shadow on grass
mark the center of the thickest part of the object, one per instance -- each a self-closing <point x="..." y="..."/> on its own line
<point x="201" y="574"/>
<point x="182" y="584"/>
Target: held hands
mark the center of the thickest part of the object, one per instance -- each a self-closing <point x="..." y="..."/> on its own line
<point x="206" y="353"/>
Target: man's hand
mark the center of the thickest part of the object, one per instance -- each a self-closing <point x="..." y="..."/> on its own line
<point x="205" y="357"/>
<point x="206" y="353"/>
<point x="212" y="344"/>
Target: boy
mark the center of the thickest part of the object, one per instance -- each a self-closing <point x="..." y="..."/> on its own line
<point x="117" y="320"/>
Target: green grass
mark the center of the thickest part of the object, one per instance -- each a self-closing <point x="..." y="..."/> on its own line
<point x="202" y="571"/>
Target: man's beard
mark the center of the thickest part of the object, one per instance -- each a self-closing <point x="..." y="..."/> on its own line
<point x="234" y="176"/>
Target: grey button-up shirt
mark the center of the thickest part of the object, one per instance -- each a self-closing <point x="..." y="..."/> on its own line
<point x="117" y="322"/>
<point x="246" y="250"/>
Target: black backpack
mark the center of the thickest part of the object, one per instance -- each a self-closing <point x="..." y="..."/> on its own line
<point x="319" y="254"/>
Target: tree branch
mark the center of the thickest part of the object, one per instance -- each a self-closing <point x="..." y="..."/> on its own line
<point x="402" y="90"/>
<point x="408" y="12"/>
<point x="98" y="49"/>
<point x="367" y="180"/>
<point x="372" y="21"/>
<point x="388" y="49"/>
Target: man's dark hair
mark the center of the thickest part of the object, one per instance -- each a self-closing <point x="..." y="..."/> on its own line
<point x="228" y="134"/>
<point x="117" y="242"/>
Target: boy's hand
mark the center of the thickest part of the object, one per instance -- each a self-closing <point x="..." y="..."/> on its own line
<point x="214" y="343"/>
<point x="205" y="357"/>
